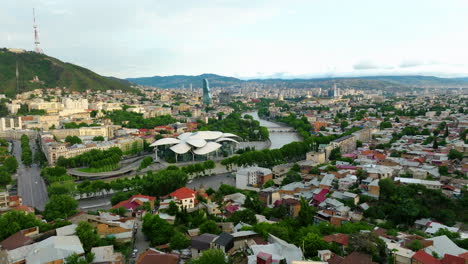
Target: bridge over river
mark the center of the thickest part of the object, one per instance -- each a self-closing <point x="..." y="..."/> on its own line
<point x="280" y="135"/>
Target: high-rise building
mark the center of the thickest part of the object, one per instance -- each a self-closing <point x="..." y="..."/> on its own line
<point x="206" y="92"/>
<point x="225" y="97"/>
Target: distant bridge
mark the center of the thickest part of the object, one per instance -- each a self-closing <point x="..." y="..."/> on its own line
<point x="281" y="129"/>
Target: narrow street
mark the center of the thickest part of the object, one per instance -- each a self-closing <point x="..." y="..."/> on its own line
<point x="31" y="186"/>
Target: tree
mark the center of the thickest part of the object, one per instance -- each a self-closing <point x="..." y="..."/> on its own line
<point x="385" y="124"/>
<point x="368" y="243"/>
<point x="72" y="140"/>
<point x="77" y="259"/>
<point x="344" y="124"/>
<point x="98" y="138"/>
<point x="60" y="207"/>
<point x="210" y="227"/>
<point x="268" y="184"/>
<point x="313" y="242"/>
<point x="358" y="143"/>
<point x="163" y="182"/>
<point x="179" y="241"/>
<point x="88" y="235"/>
<point x="11" y="164"/>
<point x="5" y="177"/>
<point x="443" y="170"/>
<point x="146" y="162"/>
<point x="306" y="214"/>
<point x="173" y="208"/>
<point x="448" y="233"/>
<point x="415" y="245"/>
<point x="14" y="221"/>
<point x="246" y="216"/>
<point x="335" y="154"/>
<point x="435" y="145"/>
<point x="156" y="229"/>
<point x="291" y="176"/>
<point x="211" y="256"/>
<point x="121" y="196"/>
<point x="361" y="174"/>
<point x="455" y="154"/>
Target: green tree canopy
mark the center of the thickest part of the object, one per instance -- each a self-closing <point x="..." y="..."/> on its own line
<point x="88" y="235"/>
<point x="60" y="207"/>
<point x="211" y="256"/>
<point x="211" y="227"/>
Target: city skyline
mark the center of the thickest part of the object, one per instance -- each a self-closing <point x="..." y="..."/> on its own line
<point x="263" y="39"/>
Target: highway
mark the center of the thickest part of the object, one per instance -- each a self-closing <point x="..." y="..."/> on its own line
<point x="31" y="186"/>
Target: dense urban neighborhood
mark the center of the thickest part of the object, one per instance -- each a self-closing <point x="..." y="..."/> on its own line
<point x="234" y="175"/>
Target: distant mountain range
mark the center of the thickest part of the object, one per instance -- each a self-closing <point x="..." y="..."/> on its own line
<point x="370" y="82"/>
<point x="51" y="72"/>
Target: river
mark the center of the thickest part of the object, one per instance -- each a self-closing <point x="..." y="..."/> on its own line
<point x="278" y="139"/>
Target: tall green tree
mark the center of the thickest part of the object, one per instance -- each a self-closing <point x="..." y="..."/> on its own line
<point x="157" y="230"/>
<point x="60" y="207"/>
<point x="88" y="235"/>
<point x="211" y="256"/>
<point x="210" y="227"/>
<point x="179" y="241"/>
<point x="11" y="164"/>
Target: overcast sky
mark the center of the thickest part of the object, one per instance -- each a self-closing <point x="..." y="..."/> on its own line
<point x="246" y="38"/>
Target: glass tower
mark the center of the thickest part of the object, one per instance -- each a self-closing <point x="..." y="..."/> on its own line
<point x="206" y="92"/>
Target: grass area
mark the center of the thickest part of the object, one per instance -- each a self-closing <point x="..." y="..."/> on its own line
<point x="97" y="170"/>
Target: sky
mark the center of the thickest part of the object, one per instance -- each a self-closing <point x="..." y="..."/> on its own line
<point x="247" y="38"/>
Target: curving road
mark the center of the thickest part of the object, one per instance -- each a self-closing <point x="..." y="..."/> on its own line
<point x="31" y="186"/>
<point x="128" y="168"/>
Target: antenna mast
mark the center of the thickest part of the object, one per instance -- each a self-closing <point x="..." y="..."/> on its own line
<point x="36" y="35"/>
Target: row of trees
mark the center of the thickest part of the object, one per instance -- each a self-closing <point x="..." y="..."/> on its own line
<point x="288" y="153"/>
<point x="145" y="162"/>
<point x="71" y="125"/>
<point x="26" y="153"/>
<point x="199" y="169"/>
<point x="135" y="120"/>
<point x="94" y="158"/>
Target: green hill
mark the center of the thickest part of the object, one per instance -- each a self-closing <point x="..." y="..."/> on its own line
<point x="51" y="72"/>
<point x="176" y="81"/>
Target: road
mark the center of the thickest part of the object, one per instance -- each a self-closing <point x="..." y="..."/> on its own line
<point x="95" y="203"/>
<point x="140" y="243"/>
<point x="212" y="181"/>
<point x="31" y="186"/>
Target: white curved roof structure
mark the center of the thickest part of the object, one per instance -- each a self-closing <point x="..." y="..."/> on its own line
<point x="227" y="139"/>
<point x="201" y="142"/>
<point x="165" y="141"/>
<point x="209" y="147"/>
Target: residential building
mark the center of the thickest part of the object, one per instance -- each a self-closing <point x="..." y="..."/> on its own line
<point x="184" y="197"/>
<point x="252" y="177"/>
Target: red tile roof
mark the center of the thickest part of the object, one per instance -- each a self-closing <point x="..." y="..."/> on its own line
<point x="451" y="259"/>
<point x="133" y="202"/>
<point x="464" y="255"/>
<point x="425" y="258"/>
<point x="321" y="196"/>
<point x="183" y="193"/>
<point x="341" y="239"/>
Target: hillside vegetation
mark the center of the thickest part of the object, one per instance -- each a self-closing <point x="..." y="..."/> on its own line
<point x="366" y="82"/>
<point x="51" y="72"/>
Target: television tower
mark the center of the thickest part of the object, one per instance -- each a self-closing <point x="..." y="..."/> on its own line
<point x="36" y="35"/>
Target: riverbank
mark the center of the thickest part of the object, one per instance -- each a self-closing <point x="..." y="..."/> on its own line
<point x="277" y="139"/>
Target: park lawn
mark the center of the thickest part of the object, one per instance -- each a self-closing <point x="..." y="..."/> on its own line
<point x="97" y="170"/>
